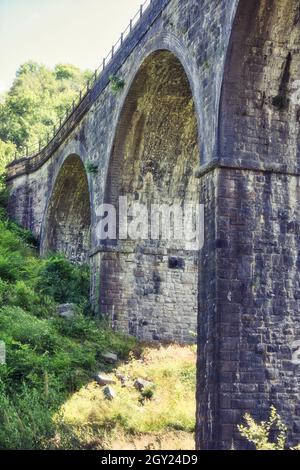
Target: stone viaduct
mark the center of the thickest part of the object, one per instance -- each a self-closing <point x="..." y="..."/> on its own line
<point x="210" y="112"/>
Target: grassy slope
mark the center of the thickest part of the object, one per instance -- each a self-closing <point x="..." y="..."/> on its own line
<point x="50" y="359"/>
<point x="47" y="357"/>
<point x="166" y="421"/>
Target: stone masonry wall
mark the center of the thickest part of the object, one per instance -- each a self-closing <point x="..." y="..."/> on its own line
<point x="68" y="222"/>
<point x="248" y="153"/>
<point x="154" y="161"/>
<point x="144" y="297"/>
<point x="257" y="221"/>
<point x="260" y="111"/>
<point x="258" y="304"/>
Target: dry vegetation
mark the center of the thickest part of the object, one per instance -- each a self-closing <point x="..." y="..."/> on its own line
<point x="166" y="421"/>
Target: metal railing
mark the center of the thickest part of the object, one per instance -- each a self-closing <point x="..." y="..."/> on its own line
<point x="28" y="152"/>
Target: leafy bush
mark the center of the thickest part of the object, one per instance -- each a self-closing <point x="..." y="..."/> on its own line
<point x="25" y="236"/>
<point x="11" y="265"/>
<point x="117" y="84"/>
<point x="25" y="419"/>
<point x="4" y="291"/>
<point x="91" y="168"/>
<point x="266" y="435"/>
<point x="47" y="357"/>
<point x="64" y="281"/>
<point x="4" y="195"/>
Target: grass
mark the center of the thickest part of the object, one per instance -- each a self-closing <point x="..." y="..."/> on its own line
<point x="47" y="397"/>
<point x="130" y="421"/>
<point x="47" y="357"/>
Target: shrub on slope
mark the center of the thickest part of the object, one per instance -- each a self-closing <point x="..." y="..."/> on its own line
<point x="47" y="357"/>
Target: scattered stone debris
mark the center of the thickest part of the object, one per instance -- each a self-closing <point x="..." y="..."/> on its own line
<point x="109" y="357"/>
<point x="66" y="311"/>
<point x="103" y="380"/>
<point x="141" y="384"/>
<point x="122" y="378"/>
<point x="109" y="393"/>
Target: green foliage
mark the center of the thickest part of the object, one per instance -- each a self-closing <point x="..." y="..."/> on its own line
<point x="148" y="392"/>
<point x="259" y="434"/>
<point x="69" y="72"/>
<point x="7" y="152"/>
<point x="4" y="193"/>
<point x="11" y="265"/>
<point x="65" y="282"/>
<point x="117" y="84"/>
<point x="37" y="99"/>
<point x="47" y="357"/>
<point x="91" y="168"/>
<point x="23" y="235"/>
<point x="25" y="419"/>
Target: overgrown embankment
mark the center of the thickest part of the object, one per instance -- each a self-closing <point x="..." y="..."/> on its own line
<point x="47" y="396"/>
<point x="47" y="357"/>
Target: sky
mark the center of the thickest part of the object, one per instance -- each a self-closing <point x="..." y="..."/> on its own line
<point x="79" y="32"/>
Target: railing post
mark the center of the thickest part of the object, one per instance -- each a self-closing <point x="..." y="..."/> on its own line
<point x="27" y="152"/>
<point x="122" y="38"/>
<point x="130" y="25"/>
<point x="112" y="51"/>
<point x="141" y="11"/>
<point x="103" y="63"/>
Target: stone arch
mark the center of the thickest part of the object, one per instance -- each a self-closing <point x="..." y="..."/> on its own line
<point x="67" y="219"/>
<point x="149" y="288"/>
<point x="257" y="232"/>
<point x="260" y="103"/>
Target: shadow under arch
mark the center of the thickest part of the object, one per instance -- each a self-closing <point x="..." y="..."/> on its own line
<point x="149" y="287"/>
<point x="67" y="220"/>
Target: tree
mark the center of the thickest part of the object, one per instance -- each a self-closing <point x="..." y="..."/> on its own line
<point x="36" y="100"/>
<point x="7" y="151"/>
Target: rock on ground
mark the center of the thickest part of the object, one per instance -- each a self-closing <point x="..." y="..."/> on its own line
<point x="103" y="379"/>
<point x="141" y="384"/>
<point x="109" y="393"/>
<point x="66" y="311"/>
<point x="110" y="357"/>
